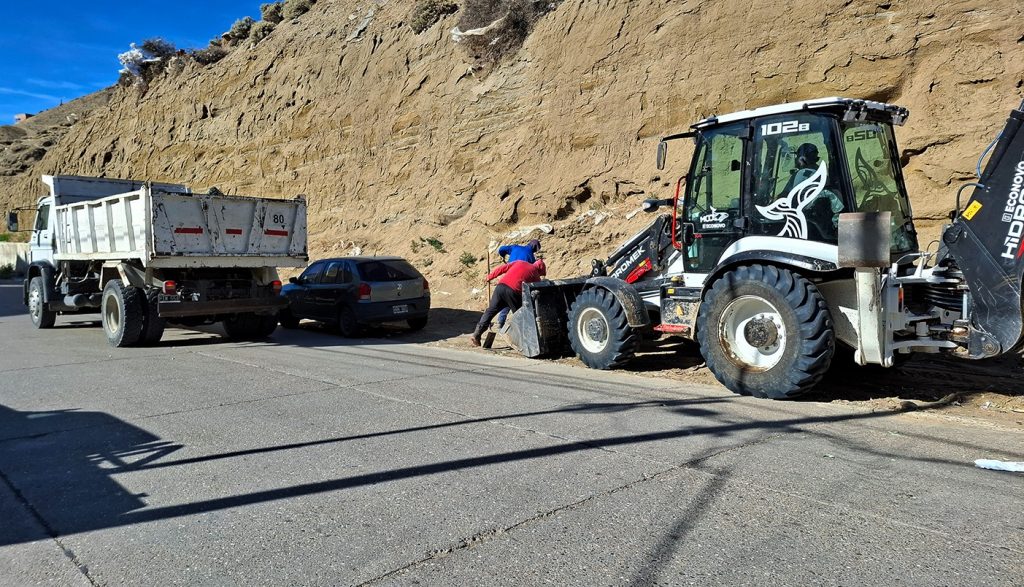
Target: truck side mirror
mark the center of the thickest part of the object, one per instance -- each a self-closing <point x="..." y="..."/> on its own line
<point x="662" y="154"/>
<point x="650" y="205"/>
<point x="12" y="222"/>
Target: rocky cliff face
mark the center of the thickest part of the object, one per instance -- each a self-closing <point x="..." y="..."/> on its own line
<point x="395" y="139"/>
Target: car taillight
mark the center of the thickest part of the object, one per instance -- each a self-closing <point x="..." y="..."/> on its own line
<point x="170" y="288"/>
<point x="364" y="291"/>
<point x="426" y="285"/>
<point x="276" y="285"/>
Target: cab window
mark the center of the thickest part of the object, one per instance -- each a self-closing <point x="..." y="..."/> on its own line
<point x="43" y="217"/>
<point x="713" y="203"/>
<point x="797" y="189"/>
<point x="876" y="188"/>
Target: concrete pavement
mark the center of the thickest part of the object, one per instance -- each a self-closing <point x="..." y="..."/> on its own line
<point x="311" y="459"/>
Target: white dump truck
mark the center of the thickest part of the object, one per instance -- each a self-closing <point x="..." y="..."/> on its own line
<point x="143" y="254"/>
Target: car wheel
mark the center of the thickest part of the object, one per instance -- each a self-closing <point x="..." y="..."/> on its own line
<point x="416" y="324"/>
<point x="348" y="326"/>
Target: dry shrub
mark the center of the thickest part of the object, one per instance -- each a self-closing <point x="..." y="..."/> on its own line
<point x="272" y="12"/>
<point x="513" y="20"/>
<point x="296" y="8"/>
<point x="260" y="31"/>
<point x="426" y="13"/>
<point x="209" y="55"/>
<point x="240" y="30"/>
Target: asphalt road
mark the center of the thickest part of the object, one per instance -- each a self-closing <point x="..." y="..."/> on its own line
<point x="315" y="460"/>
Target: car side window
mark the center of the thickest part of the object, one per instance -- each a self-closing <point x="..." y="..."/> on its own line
<point x="345" y="275"/>
<point x="331" y="274"/>
<point x="312" y="274"/>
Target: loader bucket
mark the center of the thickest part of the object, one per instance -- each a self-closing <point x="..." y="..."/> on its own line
<point x="539" y="328"/>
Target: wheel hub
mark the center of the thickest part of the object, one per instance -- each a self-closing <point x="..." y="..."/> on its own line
<point x="33" y="303"/>
<point x="753" y="333"/>
<point x="597" y="330"/>
<point x="761" y="332"/>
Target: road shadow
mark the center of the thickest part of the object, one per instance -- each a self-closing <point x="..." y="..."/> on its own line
<point x="60" y="465"/>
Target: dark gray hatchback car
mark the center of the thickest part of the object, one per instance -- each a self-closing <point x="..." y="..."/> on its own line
<point x="352" y="292"/>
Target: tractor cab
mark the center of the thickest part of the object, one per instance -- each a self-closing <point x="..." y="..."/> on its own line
<point x="787" y="172"/>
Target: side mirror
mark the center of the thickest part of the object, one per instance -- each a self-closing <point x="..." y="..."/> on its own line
<point x="686" y="236"/>
<point x="293" y="280"/>
<point x="662" y="154"/>
<point x="651" y="205"/>
<point x="12" y="222"/>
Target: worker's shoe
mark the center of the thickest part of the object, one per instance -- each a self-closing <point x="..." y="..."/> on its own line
<point x="475" y="339"/>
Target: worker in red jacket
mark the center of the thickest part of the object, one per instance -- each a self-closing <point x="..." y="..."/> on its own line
<point x="509" y="292"/>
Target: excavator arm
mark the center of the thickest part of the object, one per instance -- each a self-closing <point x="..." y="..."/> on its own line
<point x="986" y="240"/>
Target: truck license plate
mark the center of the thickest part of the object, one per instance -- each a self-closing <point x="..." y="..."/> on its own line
<point x="168" y="299"/>
<point x="401" y="309"/>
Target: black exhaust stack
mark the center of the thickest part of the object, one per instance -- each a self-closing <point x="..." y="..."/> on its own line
<point x="986" y="240"/>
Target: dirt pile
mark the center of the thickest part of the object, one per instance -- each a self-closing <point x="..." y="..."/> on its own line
<point x="402" y="148"/>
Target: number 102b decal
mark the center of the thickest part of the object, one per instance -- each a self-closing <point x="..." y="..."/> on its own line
<point x="781" y="128"/>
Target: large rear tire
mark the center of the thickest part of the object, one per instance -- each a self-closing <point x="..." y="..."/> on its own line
<point x="41" y="316"/>
<point x="153" y="326"/>
<point x="123" y="310"/>
<point x="599" y="332"/>
<point x="766" y="332"/>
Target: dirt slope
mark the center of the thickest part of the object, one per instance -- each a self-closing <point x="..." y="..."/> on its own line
<point x="394" y="138"/>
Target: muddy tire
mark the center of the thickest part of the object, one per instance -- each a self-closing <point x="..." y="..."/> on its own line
<point x="599" y="333"/>
<point x="123" y="311"/>
<point x="153" y="326"/>
<point x="766" y="332"/>
<point x="41" y="316"/>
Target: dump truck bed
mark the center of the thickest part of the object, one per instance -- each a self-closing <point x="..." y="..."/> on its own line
<point x="174" y="229"/>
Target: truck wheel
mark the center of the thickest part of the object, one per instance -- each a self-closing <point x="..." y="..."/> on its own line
<point x="766" y="332"/>
<point x="123" y="310"/>
<point x="42" y="317"/>
<point x="287" y="319"/>
<point x="153" y="325"/>
<point x="264" y="326"/>
<point x="599" y="332"/>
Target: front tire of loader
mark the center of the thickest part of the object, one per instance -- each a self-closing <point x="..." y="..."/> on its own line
<point x="123" y="311"/>
<point x="153" y="326"/>
<point x="599" y="333"/>
<point x="766" y="332"/>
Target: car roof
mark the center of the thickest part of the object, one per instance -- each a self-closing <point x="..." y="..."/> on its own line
<point x="361" y="258"/>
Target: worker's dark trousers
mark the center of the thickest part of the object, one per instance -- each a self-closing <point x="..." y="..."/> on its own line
<point x="503" y="297"/>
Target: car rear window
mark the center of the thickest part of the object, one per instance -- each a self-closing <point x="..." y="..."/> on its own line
<point x="389" y="270"/>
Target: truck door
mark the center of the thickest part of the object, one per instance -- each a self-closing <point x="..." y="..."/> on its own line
<point x="43" y="243"/>
<point x="713" y="201"/>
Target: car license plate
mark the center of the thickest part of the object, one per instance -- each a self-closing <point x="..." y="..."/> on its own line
<point x="168" y="299"/>
<point x="400" y="309"/>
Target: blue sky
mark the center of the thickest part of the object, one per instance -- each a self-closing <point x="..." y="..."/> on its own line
<point x="54" y="50"/>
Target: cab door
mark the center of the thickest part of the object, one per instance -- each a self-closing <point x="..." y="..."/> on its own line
<point x="43" y="243"/>
<point x="714" y="199"/>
